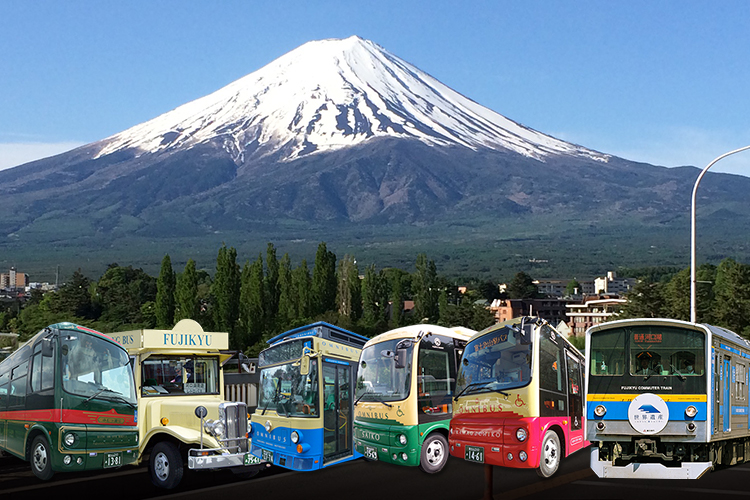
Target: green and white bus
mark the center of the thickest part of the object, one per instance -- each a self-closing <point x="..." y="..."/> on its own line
<point x="404" y="399"/>
<point x="68" y="402"/>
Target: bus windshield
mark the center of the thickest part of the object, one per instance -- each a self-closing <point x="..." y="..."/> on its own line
<point x="289" y="393"/>
<point x="495" y="362"/>
<point x="179" y="374"/>
<point x="95" y="368"/>
<point x="384" y="372"/>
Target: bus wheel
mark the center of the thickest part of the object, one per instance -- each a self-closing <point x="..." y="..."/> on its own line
<point x="550" y="459"/>
<point x="165" y="465"/>
<point x="40" y="459"/>
<point x="434" y="453"/>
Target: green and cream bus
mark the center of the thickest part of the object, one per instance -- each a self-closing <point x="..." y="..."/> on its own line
<point x="404" y="399"/>
<point x="68" y="403"/>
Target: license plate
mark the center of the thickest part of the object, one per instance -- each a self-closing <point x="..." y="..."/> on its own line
<point x="371" y="453"/>
<point x="251" y="459"/>
<point x="267" y="456"/>
<point x="474" y="454"/>
<point x="112" y="460"/>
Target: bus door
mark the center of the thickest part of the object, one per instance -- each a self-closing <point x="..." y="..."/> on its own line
<point x="337" y="421"/>
<point x="575" y="394"/>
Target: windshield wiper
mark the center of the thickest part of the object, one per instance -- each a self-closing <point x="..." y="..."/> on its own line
<point x="375" y="401"/>
<point x="98" y="392"/>
<point x="120" y="398"/>
<point x="455" y="398"/>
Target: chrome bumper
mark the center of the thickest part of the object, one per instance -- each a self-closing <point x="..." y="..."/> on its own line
<point x="221" y="461"/>
<point x="688" y="470"/>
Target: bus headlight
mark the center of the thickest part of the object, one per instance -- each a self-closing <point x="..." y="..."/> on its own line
<point x="402" y="439"/>
<point x="522" y="455"/>
<point x="600" y="410"/>
<point x="268" y="426"/>
<point x="67" y="459"/>
<point x="521" y="434"/>
<point x="295" y="437"/>
<point x="70" y="439"/>
<point x="214" y="427"/>
<point x="691" y="411"/>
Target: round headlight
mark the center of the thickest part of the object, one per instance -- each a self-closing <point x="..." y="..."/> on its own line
<point x="402" y="439"/>
<point x="295" y="437"/>
<point x="268" y="426"/>
<point x="600" y="410"/>
<point x="691" y="411"/>
<point x="67" y="459"/>
<point x="521" y="434"/>
<point x="522" y="455"/>
<point x="70" y="439"/>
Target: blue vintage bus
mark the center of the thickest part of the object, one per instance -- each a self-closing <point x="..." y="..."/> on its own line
<point x="304" y="419"/>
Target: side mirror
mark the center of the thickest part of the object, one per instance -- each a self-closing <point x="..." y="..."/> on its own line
<point x="47" y="348"/>
<point x="400" y="358"/>
<point x="527" y="331"/>
<point x="304" y="365"/>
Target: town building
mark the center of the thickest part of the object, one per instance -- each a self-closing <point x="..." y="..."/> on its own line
<point x="592" y="312"/>
<point x="553" y="310"/>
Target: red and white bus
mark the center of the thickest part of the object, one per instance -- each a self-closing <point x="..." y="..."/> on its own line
<point x="519" y="398"/>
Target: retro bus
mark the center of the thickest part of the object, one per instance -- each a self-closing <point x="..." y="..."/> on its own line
<point x="404" y="395"/>
<point x="304" y="416"/>
<point x="666" y="398"/>
<point x="67" y="402"/>
<point x="184" y="418"/>
<point x="519" y="398"/>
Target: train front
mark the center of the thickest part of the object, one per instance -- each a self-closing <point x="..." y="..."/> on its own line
<point x="647" y="385"/>
<point x="493" y="413"/>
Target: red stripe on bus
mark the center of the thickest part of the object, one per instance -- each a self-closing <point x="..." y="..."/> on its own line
<point x="69" y="417"/>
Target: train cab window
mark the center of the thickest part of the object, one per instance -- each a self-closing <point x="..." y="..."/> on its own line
<point x="608" y="353"/>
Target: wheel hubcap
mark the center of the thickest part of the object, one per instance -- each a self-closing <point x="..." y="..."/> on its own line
<point x="40" y="457"/>
<point x="435" y="452"/>
<point x="550" y="454"/>
<point x="161" y="467"/>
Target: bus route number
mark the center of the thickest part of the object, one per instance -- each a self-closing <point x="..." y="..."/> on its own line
<point x="371" y="453"/>
<point x="474" y="454"/>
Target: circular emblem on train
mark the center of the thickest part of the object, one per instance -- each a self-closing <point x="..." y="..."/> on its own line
<point x="648" y="413"/>
<point x="437" y="342"/>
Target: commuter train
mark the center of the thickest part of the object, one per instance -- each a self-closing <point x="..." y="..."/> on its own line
<point x="666" y="398"/>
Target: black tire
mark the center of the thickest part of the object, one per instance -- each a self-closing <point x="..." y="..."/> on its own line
<point x="434" y="453"/>
<point x="550" y="456"/>
<point x="165" y="465"/>
<point x="40" y="458"/>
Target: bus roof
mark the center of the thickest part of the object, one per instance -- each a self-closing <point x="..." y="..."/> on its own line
<point x="323" y="330"/>
<point x="411" y="331"/>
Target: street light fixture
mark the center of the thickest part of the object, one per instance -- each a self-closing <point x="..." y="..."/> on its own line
<point x="692" y="231"/>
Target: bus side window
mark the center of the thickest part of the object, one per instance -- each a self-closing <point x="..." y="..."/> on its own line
<point x="4" y="379"/>
<point x="18" y="378"/>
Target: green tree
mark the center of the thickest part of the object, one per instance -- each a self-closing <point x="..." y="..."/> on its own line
<point x="349" y="296"/>
<point x="165" y="289"/>
<point x="374" y="299"/>
<point x="252" y="303"/>
<point x="426" y="290"/>
<point x="522" y="287"/>
<point x="187" y="305"/>
<point x="271" y="286"/>
<point x="74" y="297"/>
<point x="645" y="300"/>
<point x="302" y="286"/>
<point x="121" y="291"/>
<point x="324" y="281"/>
<point x="732" y="296"/>
<point x="572" y="288"/>
<point x="225" y="291"/>
<point x="287" y="304"/>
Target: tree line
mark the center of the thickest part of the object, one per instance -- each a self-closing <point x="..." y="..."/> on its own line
<point x="257" y="300"/>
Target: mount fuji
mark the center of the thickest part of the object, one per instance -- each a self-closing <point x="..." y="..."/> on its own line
<point x="342" y="139"/>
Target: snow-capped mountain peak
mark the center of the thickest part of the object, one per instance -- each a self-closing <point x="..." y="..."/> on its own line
<point x="330" y="94"/>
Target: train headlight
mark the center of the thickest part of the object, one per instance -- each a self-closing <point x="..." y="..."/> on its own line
<point x="70" y="439"/>
<point x="402" y="439"/>
<point x="691" y="411"/>
<point x="521" y="434"/>
<point x="600" y="426"/>
<point x="295" y="437"/>
<point x="600" y="410"/>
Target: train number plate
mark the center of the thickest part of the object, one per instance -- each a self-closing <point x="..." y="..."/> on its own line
<point x="371" y="453"/>
<point x="474" y="454"/>
<point x="267" y="456"/>
<point x="112" y="460"/>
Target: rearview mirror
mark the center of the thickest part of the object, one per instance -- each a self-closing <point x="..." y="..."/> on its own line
<point x="304" y="365"/>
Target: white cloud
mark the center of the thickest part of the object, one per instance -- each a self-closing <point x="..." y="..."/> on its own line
<point x="13" y="154"/>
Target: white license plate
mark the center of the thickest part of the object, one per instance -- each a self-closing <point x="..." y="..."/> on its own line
<point x="112" y="460"/>
<point x="371" y="453"/>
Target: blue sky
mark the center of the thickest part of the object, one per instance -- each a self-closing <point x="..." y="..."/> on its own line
<point x="664" y="82"/>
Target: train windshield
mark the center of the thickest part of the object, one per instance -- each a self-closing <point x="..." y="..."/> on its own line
<point x="498" y="362"/>
<point x="384" y="372"/>
<point x="95" y="368"/>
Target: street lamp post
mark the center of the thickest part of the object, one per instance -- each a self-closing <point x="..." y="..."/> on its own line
<point x="692" y="231"/>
